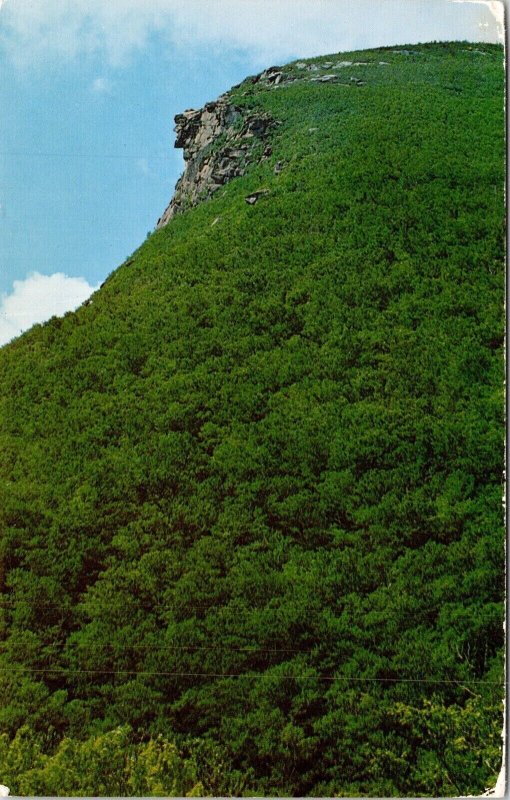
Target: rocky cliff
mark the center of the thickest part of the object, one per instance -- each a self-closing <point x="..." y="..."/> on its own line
<point x="219" y="141"/>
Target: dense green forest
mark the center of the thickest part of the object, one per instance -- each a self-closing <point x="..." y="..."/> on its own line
<point x="251" y="518"/>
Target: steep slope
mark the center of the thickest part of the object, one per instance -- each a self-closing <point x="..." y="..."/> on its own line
<point x="252" y="535"/>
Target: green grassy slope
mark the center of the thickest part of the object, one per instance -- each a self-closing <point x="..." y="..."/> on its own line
<point x="250" y="494"/>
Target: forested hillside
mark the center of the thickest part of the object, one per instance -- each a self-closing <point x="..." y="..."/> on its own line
<point x="251" y="515"/>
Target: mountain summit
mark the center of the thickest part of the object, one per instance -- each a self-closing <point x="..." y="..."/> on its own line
<point x="252" y="536"/>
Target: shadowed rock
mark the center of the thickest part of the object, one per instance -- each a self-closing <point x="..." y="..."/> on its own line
<point x="252" y="198"/>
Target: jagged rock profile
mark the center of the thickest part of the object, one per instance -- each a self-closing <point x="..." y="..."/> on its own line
<point x="219" y="140"/>
<point x="209" y="166"/>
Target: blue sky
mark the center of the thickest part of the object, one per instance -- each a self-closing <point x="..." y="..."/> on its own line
<point x="89" y="89"/>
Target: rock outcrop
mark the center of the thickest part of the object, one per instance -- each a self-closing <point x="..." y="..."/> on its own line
<point x="219" y="141"/>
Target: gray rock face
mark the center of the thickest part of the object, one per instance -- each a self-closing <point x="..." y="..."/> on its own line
<point x="325" y="78"/>
<point x="218" y="142"/>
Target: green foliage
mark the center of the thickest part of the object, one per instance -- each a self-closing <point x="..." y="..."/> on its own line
<point x="107" y="764"/>
<point x="250" y="495"/>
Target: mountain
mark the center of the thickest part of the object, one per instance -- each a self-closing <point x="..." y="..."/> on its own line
<point x="251" y="492"/>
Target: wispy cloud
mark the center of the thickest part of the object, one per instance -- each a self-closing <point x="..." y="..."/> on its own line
<point x="37" y="299"/>
<point x="497" y="10"/>
<point x="31" y="30"/>
<point x="101" y="86"/>
<point x="142" y="166"/>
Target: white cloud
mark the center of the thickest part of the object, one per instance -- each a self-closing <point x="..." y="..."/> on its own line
<point x="31" y="30"/>
<point x="37" y="298"/>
